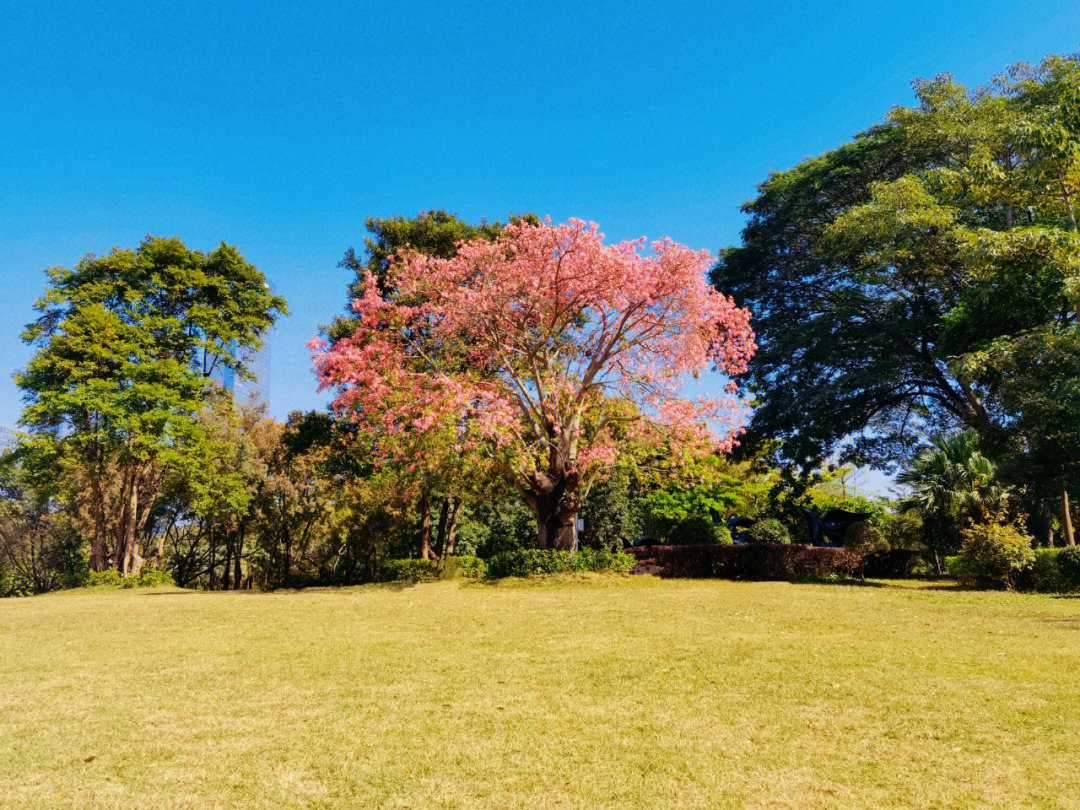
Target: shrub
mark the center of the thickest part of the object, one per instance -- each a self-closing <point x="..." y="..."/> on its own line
<point x="997" y="553"/>
<point x="1068" y="565"/>
<point x="533" y="562"/>
<point x="758" y="561"/>
<point x="105" y="579"/>
<point x="470" y="567"/>
<point x="698" y="530"/>
<point x="961" y="569"/>
<point x="767" y="532"/>
<point x="408" y="571"/>
<point x="1044" y="575"/>
<point x="864" y="541"/>
<point x="903" y="531"/>
<point x="614" y="562"/>
<point x="148" y="578"/>
<point x="153" y="578"/>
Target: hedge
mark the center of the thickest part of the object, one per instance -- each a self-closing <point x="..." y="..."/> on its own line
<point x="533" y="562"/>
<point x="756" y="561"/>
<point x="408" y="571"/>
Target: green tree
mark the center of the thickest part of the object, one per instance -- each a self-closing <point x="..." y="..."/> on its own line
<point x="901" y="282"/>
<point x="952" y="484"/>
<point x="126" y="345"/>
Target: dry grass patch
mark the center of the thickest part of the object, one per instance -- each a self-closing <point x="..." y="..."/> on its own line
<point x="588" y="693"/>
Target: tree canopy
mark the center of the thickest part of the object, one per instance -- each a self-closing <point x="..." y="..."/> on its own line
<point x="125" y="346"/>
<point x="538" y="351"/>
<point x="902" y="283"/>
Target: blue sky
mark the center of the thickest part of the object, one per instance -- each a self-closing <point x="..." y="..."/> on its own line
<point x="280" y="127"/>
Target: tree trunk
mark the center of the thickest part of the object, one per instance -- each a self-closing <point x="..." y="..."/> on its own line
<point x="98" y="561"/>
<point x="557" y="529"/>
<point x="127" y="556"/>
<point x="226" y="575"/>
<point x="451" y="531"/>
<point x="425" y="527"/>
<point x="1044" y="527"/>
<point x="1066" y="520"/>
<point x="440" y="538"/>
<point x="238" y="576"/>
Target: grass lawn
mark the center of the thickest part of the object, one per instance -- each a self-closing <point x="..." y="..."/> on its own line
<point x="619" y="693"/>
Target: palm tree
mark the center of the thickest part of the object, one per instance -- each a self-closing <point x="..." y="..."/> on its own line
<point x="951" y="483"/>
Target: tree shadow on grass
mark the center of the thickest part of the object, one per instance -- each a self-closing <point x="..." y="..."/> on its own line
<point x="906" y="584"/>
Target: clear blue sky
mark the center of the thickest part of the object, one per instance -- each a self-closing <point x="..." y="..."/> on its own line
<point x="280" y="127"/>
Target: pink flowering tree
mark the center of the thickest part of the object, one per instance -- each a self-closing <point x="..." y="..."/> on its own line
<point x="542" y="352"/>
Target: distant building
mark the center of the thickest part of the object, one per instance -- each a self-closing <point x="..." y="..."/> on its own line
<point x="241" y="389"/>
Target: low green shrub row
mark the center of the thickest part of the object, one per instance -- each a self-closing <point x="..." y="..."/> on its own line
<point x="409" y="571"/>
<point x="1049" y="570"/>
<point x="149" y="578"/>
<point x="519" y="563"/>
<point x="753" y="561"/>
<point x="532" y="562"/>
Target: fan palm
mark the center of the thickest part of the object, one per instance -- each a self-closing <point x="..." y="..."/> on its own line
<point x="951" y="482"/>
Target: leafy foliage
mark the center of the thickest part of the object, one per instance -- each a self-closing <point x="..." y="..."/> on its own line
<point x="538" y="352"/>
<point x="769" y="531"/>
<point x="923" y="279"/>
<point x="534" y="562"/>
<point x="996" y="553"/>
<point x="125" y="347"/>
<point x="763" y="561"/>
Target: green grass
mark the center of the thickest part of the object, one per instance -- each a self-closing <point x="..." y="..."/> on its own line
<point x="617" y="693"/>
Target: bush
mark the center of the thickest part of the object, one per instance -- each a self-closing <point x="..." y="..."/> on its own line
<point x="903" y="531"/>
<point x="864" y="541"/>
<point x="1068" y="565"/>
<point x="527" y="562"/>
<point x="105" y="579"/>
<point x="154" y="578"/>
<point x="408" y="571"/>
<point x="148" y="578"/>
<point x="768" y="532"/>
<point x="470" y="567"/>
<point x="533" y="562"/>
<point x="997" y="553"/>
<point x="960" y="569"/>
<point x="604" y="561"/>
<point x="697" y="531"/>
<point x="1044" y="575"/>
<point x="758" y="561"/>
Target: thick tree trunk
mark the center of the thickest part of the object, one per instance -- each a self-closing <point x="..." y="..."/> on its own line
<point x="226" y="576"/>
<point x="1066" y="520"/>
<point x="127" y="556"/>
<point x="425" y="527"/>
<point x="557" y="529"/>
<point x="555" y="506"/>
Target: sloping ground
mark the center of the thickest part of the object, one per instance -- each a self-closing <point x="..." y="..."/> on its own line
<point x="618" y="693"/>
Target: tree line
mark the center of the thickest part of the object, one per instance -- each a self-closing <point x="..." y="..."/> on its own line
<point x="908" y="301"/>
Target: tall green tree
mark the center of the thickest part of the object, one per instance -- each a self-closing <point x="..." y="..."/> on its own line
<point x="125" y="348"/>
<point x="902" y="282"/>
